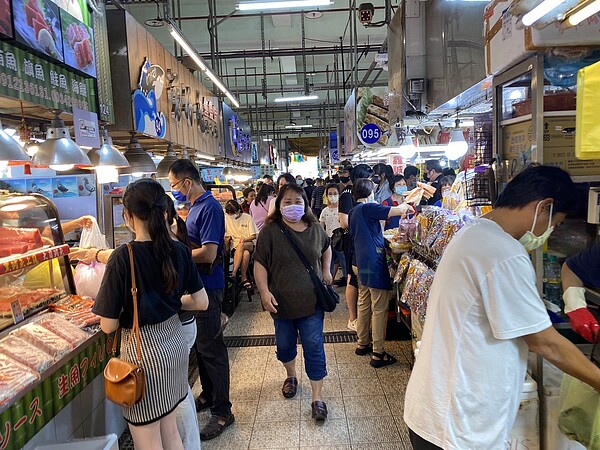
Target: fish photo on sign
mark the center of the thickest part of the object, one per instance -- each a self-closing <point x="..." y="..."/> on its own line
<point x="37" y="25"/>
<point x="78" y="42"/>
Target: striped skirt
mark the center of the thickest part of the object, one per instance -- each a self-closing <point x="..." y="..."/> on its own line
<point x="165" y="361"/>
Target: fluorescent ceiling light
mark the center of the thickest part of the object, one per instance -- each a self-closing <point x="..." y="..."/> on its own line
<point x="207" y="157"/>
<point x="255" y="6"/>
<point x="584" y="13"/>
<point x="540" y="11"/>
<point x="467" y="123"/>
<point x="183" y="42"/>
<point x="267" y="140"/>
<point x="307" y="125"/>
<point x="301" y="98"/>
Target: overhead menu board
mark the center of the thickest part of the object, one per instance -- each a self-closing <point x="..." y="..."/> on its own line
<point x="37" y="25"/>
<point x="78" y="44"/>
<point x="6" y="25"/>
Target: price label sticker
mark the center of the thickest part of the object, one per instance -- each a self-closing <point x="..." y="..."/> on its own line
<point x="17" y="311"/>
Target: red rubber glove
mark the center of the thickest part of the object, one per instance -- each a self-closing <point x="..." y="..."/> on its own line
<point x="582" y="321"/>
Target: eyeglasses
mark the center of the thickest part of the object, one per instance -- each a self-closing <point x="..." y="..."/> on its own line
<point x="174" y="186"/>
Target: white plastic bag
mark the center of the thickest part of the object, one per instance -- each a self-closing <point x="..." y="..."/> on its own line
<point x="92" y="237"/>
<point x="88" y="278"/>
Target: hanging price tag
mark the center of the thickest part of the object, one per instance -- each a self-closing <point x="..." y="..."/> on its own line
<point x="17" y="311"/>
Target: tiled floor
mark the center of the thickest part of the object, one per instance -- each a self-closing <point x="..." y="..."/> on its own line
<point x="365" y="404"/>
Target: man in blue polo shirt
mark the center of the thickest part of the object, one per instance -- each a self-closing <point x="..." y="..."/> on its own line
<point x="206" y="228"/>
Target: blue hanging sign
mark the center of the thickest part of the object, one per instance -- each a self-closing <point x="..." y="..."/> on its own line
<point x="370" y="134"/>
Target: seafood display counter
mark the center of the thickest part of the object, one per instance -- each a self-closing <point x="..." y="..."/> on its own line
<point x="50" y="347"/>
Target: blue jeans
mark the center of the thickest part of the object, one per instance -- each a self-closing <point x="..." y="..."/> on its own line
<point x="310" y="329"/>
<point x="341" y="259"/>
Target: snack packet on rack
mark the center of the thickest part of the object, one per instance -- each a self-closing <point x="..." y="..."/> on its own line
<point x="402" y="270"/>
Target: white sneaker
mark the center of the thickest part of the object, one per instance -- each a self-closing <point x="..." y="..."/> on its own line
<point x="352" y="325"/>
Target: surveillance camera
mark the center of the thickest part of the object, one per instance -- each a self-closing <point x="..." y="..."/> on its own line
<point x="366" y="11"/>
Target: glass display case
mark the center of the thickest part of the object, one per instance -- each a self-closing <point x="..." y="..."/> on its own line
<point x="114" y="224"/>
<point x="34" y="264"/>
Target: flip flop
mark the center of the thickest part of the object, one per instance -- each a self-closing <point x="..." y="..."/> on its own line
<point x="319" y="410"/>
<point x="246" y="284"/>
<point x="385" y="359"/>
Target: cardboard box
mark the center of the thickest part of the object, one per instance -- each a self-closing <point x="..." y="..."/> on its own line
<point x="559" y="147"/>
<point x="506" y="45"/>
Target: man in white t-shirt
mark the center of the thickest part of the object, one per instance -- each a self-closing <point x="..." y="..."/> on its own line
<point x="484" y="314"/>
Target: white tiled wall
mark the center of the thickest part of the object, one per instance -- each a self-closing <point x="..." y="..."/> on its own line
<point x="88" y="415"/>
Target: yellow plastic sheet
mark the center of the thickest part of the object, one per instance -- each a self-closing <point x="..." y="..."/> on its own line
<point x="587" y="133"/>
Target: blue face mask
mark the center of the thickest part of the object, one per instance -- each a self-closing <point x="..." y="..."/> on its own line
<point x="178" y="195"/>
<point x="401" y="190"/>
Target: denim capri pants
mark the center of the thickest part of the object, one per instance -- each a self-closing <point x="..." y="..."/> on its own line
<point x="310" y="329"/>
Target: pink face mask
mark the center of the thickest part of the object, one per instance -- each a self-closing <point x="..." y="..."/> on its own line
<point x="293" y="213"/>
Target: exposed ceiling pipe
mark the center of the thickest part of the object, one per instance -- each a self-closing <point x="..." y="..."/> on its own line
<point x="294" y="51"/>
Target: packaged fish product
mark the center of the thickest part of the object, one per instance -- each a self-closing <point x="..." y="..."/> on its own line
<point x="63" y="328"/>
<point x="25" y="353"/>
<point x="14" y="378"/>
<point x="44" y="339"/>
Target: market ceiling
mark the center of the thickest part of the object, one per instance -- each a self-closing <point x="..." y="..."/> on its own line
<point x="243" y="38"/>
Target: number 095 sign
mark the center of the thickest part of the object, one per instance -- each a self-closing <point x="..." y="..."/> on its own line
<point x="370" y="134"/>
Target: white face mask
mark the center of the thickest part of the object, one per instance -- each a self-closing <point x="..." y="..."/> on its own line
<point x="371" y="198"/>
<point x="529" y="240"/>
<point x="333" y="198"/>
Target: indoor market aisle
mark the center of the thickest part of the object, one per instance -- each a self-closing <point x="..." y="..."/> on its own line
<point x="365" y="404"/>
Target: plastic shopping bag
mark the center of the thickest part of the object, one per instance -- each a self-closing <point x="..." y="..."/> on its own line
<point x="88" y="278"/>
<point x="92" y="237"/>
<point x="579" y="417"/>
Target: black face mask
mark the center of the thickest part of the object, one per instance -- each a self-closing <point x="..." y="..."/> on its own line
<point x="376" y="179"/>
<point x="426" y="177"/>
<point x="344" y="179"/>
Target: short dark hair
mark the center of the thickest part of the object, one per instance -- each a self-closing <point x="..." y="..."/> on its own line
<point x="246" y="192"/>
<point x="184" y="168"/>
<point x="434" y="164"/>
<point x="395" y="179"/>
<point x="333" y="186"/>
<point x="447" y="180"/>
<point x="362" y="188"/>
<point x="410" y="171"/>
<point x="268" y="177"/>
<point x="276" y="216"/>
<point x="536" y="183"/>
<point x="361" y="171"/>
<point x="384" y="169"/>
<point x="309" y="181"/>
<point x="232" y="207"/>
<point x="449" y="172"/>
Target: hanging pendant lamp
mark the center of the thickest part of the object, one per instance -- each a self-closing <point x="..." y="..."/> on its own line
<point x="59" y="151"/>
<point x="162" y="171"/>
<point x="139" y="160"/>
<point x="11" y="152"/>
<point x="458" y="146"/>
<point x="107" y="160"/>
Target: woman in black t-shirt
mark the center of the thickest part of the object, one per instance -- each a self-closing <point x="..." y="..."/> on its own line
<point x="167" y="281"/>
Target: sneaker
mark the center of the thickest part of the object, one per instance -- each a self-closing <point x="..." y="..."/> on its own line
<point x="352" y="325"/>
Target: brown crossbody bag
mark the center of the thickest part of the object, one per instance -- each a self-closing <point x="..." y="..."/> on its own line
<point x="125" y="382"/>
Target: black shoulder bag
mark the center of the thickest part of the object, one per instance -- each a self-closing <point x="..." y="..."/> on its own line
<point x="327" y="297"/>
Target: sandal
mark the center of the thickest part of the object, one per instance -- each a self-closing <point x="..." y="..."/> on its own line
<point x="202" y="403"/>
<point x="215" y="426"/>
<point x="290" y="387"/>
<point x="385" y="359"/>
<point x="319" y="410"/>
<point x="362" y="351"/>
<point x="246" y="284"/>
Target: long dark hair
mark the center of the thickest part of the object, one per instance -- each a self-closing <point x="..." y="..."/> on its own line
<point x="263" y="194"/>
<point x="308" y="216"/>
<point x="146" y="200"/>
<point x="181" y="234"/>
